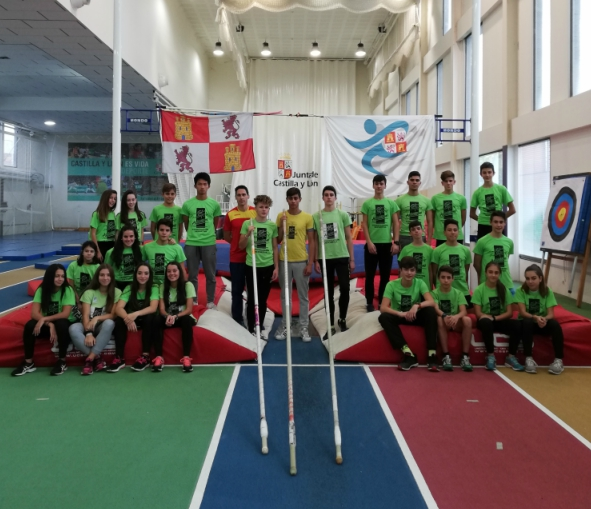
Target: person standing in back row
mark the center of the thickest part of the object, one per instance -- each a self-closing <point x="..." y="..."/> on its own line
<point x="448" y="205"/>
<point x="414" y="207"/>
<point x="200" y="215"/>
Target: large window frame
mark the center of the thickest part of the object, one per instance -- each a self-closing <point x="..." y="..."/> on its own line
<point x="8" y="145"/>
<point x="542" y="52"/>
<point x="446" y="16"/>
<point x="580" y="46"/>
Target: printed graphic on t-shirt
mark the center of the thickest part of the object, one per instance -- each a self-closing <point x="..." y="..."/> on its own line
<point x="111" y="230"/>
<point x="489" y="201"/>
<point x="159" y="261"/>
<point x="448" y="209"/>
<point x="84" y="281"/>
<point x="495" y="305"/>
<point x="200" y="218"/>
<point x="445" y="306"/>
<point x="53" y="308"/>
<point x="405" y="302"/>
<point x="261" y="238"/>
<point x="534" y="306"/>
<point x="291" y="232"/>
<point x="173" y="308"/>
<point x="414" y="210"/>
<point x="132" y="222"/>
<point x="419" y="261"/>
<point x="454" y="263"/>
<point x="380" y="217"/>
<point x="127" y="264"/>
<point x="330" y="231"/>
<point x="500" y="256"/>
<point x="169" y="217"/>
<point x="95" y="311"/>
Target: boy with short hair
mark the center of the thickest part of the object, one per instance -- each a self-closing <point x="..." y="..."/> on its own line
<point x="489" y="197"/>
<point x="454" y="254"/>
<point x="168" y="210"/>
<point x="420" y="252"/>
<point x="452" y="315"/>
<point x="402" y="305"/>
<point x="160" y="252"/>
<point x="300" y="227"/>
<point x="495" y="247"/>
<point x="381" y="229"/>
<point x="448" y="205"/>
<point x="200" y="215"/>
<point x="414" y="207"/>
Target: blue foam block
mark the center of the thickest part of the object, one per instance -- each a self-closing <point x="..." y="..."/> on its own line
<point x="45" y="265"/>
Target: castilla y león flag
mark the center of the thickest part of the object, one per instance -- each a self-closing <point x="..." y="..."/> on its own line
<point x="214" y="144"/>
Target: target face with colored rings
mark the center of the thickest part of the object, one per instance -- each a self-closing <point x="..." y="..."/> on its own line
<point x="562" y="214"/>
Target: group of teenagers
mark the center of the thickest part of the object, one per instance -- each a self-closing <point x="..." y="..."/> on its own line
<point x="119" y="285"/>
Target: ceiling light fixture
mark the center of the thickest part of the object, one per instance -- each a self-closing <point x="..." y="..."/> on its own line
<point x="360" y="50"/>
<point x="315" y="50"/>
<point x="218" y="51"/>
<point x="49" y="122"/>
<point x="266" y="51"/>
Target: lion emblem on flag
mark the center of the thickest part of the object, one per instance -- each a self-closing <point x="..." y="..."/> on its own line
<point x="184" y="158"/>
<point x="231" y="126"/>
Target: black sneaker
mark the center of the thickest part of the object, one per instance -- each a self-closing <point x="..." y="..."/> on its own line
<point x="409" y="361"/>
<point x="433" y="363"/>
<point x="117" y="364"/>
<point x="59" y="368"/>
<point x="24" y="368"/>
<point x="141" y="363"/>
<point x="333" y="331"/>
<point x="370" y="308"/>
<point x="343" y="325"/>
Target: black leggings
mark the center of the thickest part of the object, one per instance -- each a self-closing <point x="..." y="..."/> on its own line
<point x="342" y="268"/>
<point x="61" y="329"/>
<point x="147" y="324"/>
<point x="510" y="327"/>
<point x="383" y="258"/>
<point x="552" y="329"/>
<point x="426" y="318"/>
<point x="264" y="275"/>
<point x="186" y="323"/>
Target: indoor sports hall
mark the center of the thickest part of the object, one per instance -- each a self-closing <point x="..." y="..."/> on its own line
<point x="103" y="101"/>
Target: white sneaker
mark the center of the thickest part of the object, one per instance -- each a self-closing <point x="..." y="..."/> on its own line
<point x="281" y="334"/>
<point x="265" y="334"/>
<point x="556" y="367"/>
<point x="530" y="365"/>
<point x="211" y="305"/>
<point x="305" y="334"/>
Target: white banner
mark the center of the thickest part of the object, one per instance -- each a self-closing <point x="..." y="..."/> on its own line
<point x="363" y="147"/>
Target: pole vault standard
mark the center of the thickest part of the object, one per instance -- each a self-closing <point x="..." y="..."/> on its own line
<point x="333" y="381"/>
<point x="257" y="328"/>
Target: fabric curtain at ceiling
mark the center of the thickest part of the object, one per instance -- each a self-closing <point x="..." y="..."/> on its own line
<point x="294" y="151"/>
<point x="357" y="6"/>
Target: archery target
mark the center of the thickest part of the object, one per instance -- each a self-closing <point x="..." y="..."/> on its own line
<point x="562" y="214"/>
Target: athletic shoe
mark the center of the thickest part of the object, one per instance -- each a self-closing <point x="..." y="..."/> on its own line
<point x="157" y="364"/>
<point x="117" y="364"/>
<point x="281" y="333"/>
<point x="305" y="335"/>
<point x="409" y="361"/>
<point x="195" y="302"/>
<point x="264" y="334"/>
<point x="446" y="363"/>
<point x="465" y="364"/>
<point x="556" y="367"/>
<point x="24" y="368"/>
<point x="87" y="370"/>
<point x="491" y="362"/>
<point x="530" y="365"/>
<point x="187" y="366"/>
<point x="433" y="364"/>
<point x="343" y="325"/>
<point x="141" y="363"/>
<point x="333" y="331"/>
<point x="211" y="305"/>
<point x="99" y="364"/>
<point x="370" y="308"/>
<point x="512" y="362"/>
<point x="59" y="368"/>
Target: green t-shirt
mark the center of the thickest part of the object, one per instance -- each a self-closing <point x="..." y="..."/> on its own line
<point x="489" y="199"/>
<point x="105" y="231"/>
<point x="98" y="301"/>
<point x="133" y="220"/>
<point x="57" y="301"/>
<point x="173" y="214"/>
<point x="422" y="256"/>
<point x="264" y="233"/>
<point x="401" y="298"/>
<point x="160" y="256"/>
<point x="201" y="214"/>
<point x="535" y="304"/>
<point x="379" y="219"/>
<point x="412" y="208"/>
<point x="449" y="302"/>
<point x="447" y="206"/>
<point x="333" y="233"/>
<point x="174" y="307"/>
<point x="154" y="294"/>
<point x="457" y="257"/>
<point x="488" y="299"/>
<point x="495" y="250"/>
<point x="81" y="275"/>
<point x="125" y="271"/>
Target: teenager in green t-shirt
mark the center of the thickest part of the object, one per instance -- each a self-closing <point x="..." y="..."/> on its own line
<point x="452" y="315"/>
<point x="338" y="253"/>
<point x="266" y="258"/>
<point x="200" y="216"/>
<point x="103" y="229"/>
<point x="536" y="310"/>
<point x="492" y="306"/>
<point x="160" y="252"/>
<point x="80" y="274"/>
<point x="131" y="214"/>
<point x="381" y="227"/>
<point x="176" y="310"/>
<point x="495" y="247"/>
<point x="125" y="256"/>
<point x="52" y="304"/>
<point x="136" y="309"/>
<point x="168" y="210"/>
<point x="488" y="198"/>
<point x="448" y="205"/>
<point x="402" y="305"/>
<point x="421" y="252"/>
<point x="414" y="207"/>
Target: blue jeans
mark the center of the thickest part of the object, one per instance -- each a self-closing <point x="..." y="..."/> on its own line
<point x="238" y="277"/>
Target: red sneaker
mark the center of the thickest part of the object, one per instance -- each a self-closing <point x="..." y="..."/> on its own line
<point x="187" y="366"/>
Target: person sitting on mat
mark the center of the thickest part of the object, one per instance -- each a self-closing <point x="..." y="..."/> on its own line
<point x="127" y="254"/>
<point x="135" y="310"/>
<point x="451" y="315"/>
<point x="492" y="306"/>
<point x="340" y="259"/>
<point x="51" y="308"/>
<point x="421" y="252"/>
<point x="161" y="252"/>
<point x="176" y="310"/>
<point x="80" y="273"/>
<point x="536" y="309"/>
<point x="402" y="305"/>
<point x="102" y="223"/>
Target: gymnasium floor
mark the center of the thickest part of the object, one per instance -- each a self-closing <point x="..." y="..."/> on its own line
<point x="174" y="440"/>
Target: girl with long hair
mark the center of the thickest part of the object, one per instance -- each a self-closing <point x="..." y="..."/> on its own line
<point x="103" y="229"/>
<point x="131" y="214"/>
<point x="98" y="313"/>
<point x="80" y="273"/>
<point x="51" y="308"/>
<point x="125" y="256"/>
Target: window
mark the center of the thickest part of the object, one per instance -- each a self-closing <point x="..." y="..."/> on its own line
<point x="468" y="195"/>
<point x="439" y="106"/>
<point x="581" y="46"/>
<point x="8" y="145"/>
<point x="407" y="101"/>
<point x="533" y="176"/>
<point x="541" y="54"/>
<point x="417" y="99"/>
<point x="468" y="81"/>
<point x="446" y="16"/>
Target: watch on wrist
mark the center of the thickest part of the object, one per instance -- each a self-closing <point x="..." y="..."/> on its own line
<point x="444" y="315"/>
<point x="397" y="242"/>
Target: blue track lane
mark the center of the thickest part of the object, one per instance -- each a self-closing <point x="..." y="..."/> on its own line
<point x="14" y="296"/>
<point x="374" y="473"/>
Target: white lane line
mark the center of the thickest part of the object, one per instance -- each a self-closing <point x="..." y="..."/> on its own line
<point x="412" y="464"/>
<point x="552" y="416"/>
<point x="21" y="282"/>
<point x="5" y="312"/>
<point x="213" y="446"/>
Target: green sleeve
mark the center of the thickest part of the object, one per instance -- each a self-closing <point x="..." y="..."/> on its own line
<point x="69" y="297"/>
<point x="429" y="205"/>
<point x="109" y="257"/>
<point x="189" y="290"/>
<point x="87" y="296"/>
<point x="161" y="291"/>
<point x="551" y="299"/>
<point x="244" y="227"/>
<point x="423" y="288"/>
<point x="404" y="252"/>
<point x="126" y="294"/>
<point x="70" y="271"/>
<point x="436" y="255"/>
<point x="478" y="248"/>
<point x="477" y="296"/>
<point x="511" y="249"/>
<point x="475" y="197"/>
<point x="365" y="207"/>
<point x="389" y="292"/>
<point x="94" y="220"/>
<point x="468" y="254"/>
<point x="117" y="294"/>
<point x="154" y="215"/>
<point x="507" y="198"/>
<point x="155" y="293"/>
<point x="180" y="256"/>
<point x="395" y="207"/>
<point x="274" y="232"/>
<point x="185" y="210"/>
<point x="37" y="296"/>
<point x="463" y="203"/>
<point x="508" y="297"/>
<point x="346" y="219"/>
<point x="217" y="211"/>
<point x="461" y="299"/>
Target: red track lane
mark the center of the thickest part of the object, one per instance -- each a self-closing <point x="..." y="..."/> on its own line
<point x="454" y="442"/>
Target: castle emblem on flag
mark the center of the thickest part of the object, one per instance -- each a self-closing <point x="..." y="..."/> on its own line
<point x="182" y="129"/>
<point x="285" y="167"/>
<point x="395" y="141"/>
<point x="232" y="158"/>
